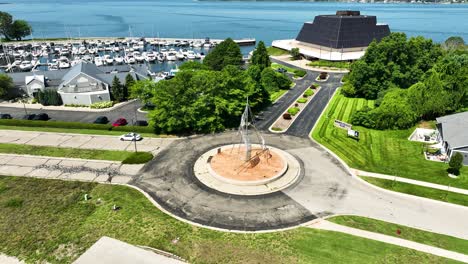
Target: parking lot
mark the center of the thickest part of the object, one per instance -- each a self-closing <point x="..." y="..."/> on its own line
<point x="153" y="145"/>
<point x="127" y="111"/>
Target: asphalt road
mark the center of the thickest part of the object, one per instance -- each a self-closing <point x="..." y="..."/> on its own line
<point x="126" y="111"/>
<point x="304" y="123"/>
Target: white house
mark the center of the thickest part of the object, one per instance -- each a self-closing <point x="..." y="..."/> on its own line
<point x="83" y="86"/>
<point x="34" y="84"/>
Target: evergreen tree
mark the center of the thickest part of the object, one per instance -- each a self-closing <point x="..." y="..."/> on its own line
<point x="260" y="56"/>
<point x="129" y="82"/>
<point x="455" y="163"/>
<point x="224" y="54"/>
<point x="117" y="90"/>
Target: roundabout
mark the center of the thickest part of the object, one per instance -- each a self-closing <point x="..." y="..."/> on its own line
<point x="224" y="170"/>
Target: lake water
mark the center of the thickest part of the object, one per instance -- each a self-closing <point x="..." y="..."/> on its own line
<point x="262" y="20"/>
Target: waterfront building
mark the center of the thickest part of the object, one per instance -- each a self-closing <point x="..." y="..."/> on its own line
<point x="340" y="37"/>
<point x="83" y="84"/>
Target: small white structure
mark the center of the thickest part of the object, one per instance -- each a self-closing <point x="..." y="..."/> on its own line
<point x="34" y="84"/>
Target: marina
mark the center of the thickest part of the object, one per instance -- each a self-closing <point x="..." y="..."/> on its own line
<point x="160" y="54"/>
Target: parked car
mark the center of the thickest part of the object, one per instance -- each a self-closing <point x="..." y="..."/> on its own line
<point x="101" y="120"/>
<point x="141" y="123"/>
<point x="281" y="70"/>
<point x="131" y="137"/>
<point x="41" y="117"/>
<point x="5" y="116"/>
<point x="29" y="116"/>
<point x="120" y="122"/>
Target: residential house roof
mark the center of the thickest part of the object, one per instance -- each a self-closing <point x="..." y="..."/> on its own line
<point x="454" y="129"/>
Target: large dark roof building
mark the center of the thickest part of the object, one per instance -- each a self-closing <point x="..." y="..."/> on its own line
<point x="343" y="36"/>
<point x="346" y="29"/>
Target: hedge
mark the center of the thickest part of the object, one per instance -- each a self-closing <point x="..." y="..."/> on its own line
<point x="74" y="125"/>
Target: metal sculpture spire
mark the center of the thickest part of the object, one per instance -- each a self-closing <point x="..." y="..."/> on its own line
<point x="244" y="131"/>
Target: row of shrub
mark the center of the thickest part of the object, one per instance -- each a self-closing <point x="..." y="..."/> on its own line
<point x="74" y="125"/>
<point x="49" y="97"/>
<point x="102" y="105"/>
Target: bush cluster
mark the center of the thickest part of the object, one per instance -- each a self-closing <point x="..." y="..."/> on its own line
<point x="49" y="97"/>
<point x="293" y="110"/>
<point x="323" y="75"/>
<point x="287" y="116"/>
<point x="102" y="105"/>
<point x="138" y="158"/>
<point x="308" y="92"/>
<point x="302" y="100"/>
<point x="75" y="105"/>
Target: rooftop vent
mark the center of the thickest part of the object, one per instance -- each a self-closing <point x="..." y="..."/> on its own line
<point x="348" y="13"/>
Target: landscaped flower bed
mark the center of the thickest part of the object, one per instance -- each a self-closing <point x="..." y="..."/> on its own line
<point x="322" y="77"/>
<point x="286" y="119"/>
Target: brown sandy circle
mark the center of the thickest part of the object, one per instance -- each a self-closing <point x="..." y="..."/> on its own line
<point x="229" y="163"/>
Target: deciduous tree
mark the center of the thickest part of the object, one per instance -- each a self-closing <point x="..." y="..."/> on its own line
<point x="20" y="29"/>
<point x="6" y="84"/>
<point x="225" y="53"/>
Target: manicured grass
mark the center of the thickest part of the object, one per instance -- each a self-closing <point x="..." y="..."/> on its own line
<point x="138" y="158"/>
<point x="383" y="151"/>
<point x="114" y="155"/>
<point x="272" y="51"/>
<point x="275" y="95"/>
<point x="413" y="234"/>
<point x="78" y="131"/>
<point x="53" y="223"/>
<point x="330" y="64"/>
<point x="431" y="193"/>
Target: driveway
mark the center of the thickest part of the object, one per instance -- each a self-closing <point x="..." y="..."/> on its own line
<point x="126" y="111"/>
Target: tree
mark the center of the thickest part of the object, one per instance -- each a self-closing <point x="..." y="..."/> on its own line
<point x="20" y="29"/>
<point x="6" y="84"/>
<point x="455" y="163"/>
<point x="295" y="53"/>
<point x="225" y="53"/>
<point x="117" y="90"/>
<point x="454" y="42"/>
<point x="49" y="97"/>
<point x="129" y="82"/>
<point x="260" y="56"/>
<point x="394" y="62"/>
<point x="6" y="20"/>
<point x="268" y="80"/>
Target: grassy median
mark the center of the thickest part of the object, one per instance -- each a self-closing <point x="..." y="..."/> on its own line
<point x="382" y="151"/>
<point x="48" y="220"/>
<point x="413" y="234"/>
<point x="92" y="154"/>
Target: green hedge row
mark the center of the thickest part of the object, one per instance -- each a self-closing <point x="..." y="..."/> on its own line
<point x="74" y="125"/>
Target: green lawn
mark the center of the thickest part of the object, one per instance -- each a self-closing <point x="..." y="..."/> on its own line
<point x="78" y="131"/>
<point x="431" y="193"/>
<point x="382" y="151"/>
<point x="275" y="95"/>
<point x="330" y="64"/>
<point x="272" y="51"/>
<point x="95" y="154"/>
<point x="416" y="235"/>
<point x="48" y="220"/>
<point x="297" y="72"/>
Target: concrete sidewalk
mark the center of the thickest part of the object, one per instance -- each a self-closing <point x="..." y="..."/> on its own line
<point x="82" y="141"/>
<point x="67" y="169"/>
<point x="112" y="251"/>
<point x="326" y="225"/>
<point x="411" y="181"/>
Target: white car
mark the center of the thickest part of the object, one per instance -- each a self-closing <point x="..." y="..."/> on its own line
<point x="131" y="137"/>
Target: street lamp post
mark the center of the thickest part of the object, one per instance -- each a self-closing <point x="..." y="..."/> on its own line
<point x="134" y="141"/>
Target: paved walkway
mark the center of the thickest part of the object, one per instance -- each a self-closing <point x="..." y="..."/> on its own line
<point x="326" y="225"/>
<point x="4" y="259"/>
<point x="411" y="181"/>
<point x="67" y="169"/>
<point x="82" y="141"/>
<point x="112" y="251"/>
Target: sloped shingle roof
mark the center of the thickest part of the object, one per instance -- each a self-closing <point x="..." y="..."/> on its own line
<point x="455" y="129"/>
